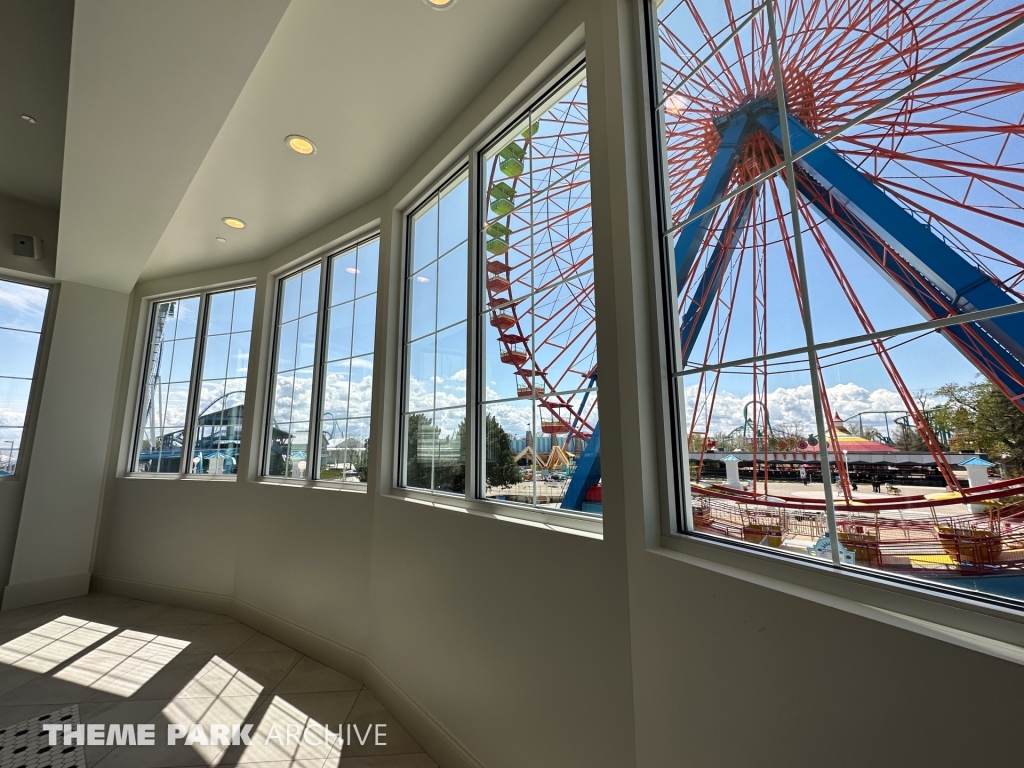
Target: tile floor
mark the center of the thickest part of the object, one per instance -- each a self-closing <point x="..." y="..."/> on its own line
<point x="103" y="659"/>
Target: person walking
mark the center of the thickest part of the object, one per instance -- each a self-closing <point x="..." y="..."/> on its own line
<point x="876" y="483"/>
<point x="803" y="475"/>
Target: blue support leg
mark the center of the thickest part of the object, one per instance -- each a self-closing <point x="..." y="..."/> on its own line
<point x="588" y="472"/>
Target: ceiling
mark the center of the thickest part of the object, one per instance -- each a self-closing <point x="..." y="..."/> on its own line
<point x="371" y="83"/>
<point x="177" y="111"/>
<point x="35" y="54"/>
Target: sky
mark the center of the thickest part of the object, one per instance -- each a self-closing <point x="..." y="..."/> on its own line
<point x="22" y="311"/>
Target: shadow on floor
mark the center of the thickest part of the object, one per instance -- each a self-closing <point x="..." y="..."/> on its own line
<point x="104" y="660"/>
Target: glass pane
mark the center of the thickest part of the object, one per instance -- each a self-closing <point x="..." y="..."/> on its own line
<point x="509" y="451"/>
<point x="165" y="389"/>
<point x="424" y="236"/>
<point x="310" y="293"/>
<point x="423" y="291"/>
<point x="339" y="331"/>
<point x="245" y="302"/>
<point x="287" y="443"/>
<point x="348" y="370"/>
<point x="18" y="359"/>
<point x="450" y="374"/>
<point x="755" y="456"/>
<point x="343" y="277"/>
<point x="420" y="436"/>
<point x="22" y="307"/>
<point x="449" y="440"/>
<point x="221" y="310"/>
<point x="420" y="383"/>
<point x="369" y="257"/>
<point x="219" y="416"/>
<point x="929" y="440"/>
<point x="336" y="391"/>
<point x="435" y="359"/>
<point x="540" y="349"/>
<point x="365" y="324"/>
<point x="452" y="277"/>
<point x="22" y="313"/>
<point x="362" y="386"/>
<point x="453" y="216"/>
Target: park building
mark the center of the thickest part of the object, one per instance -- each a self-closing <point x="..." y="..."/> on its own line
<point x="479" y="384"/>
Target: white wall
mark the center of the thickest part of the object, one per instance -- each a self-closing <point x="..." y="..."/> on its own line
<point x="502" y="644"/>
<point x="63" y="488"/>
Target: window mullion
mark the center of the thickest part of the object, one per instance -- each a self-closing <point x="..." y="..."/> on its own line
<point x="316" y="388"/>
<point x="805" y="299"/>
<point x="474" y="338"/>
<point x="198" y="351"/>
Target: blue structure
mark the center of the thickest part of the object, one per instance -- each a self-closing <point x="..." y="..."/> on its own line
<point x="919" y="264"/>
<point x="937" y="280"/>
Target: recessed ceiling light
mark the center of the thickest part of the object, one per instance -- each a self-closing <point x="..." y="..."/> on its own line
<point x="234" y="223"/>
<point x="300" y="144"/>
<point x="29" y="119"/>
<point x="220" y="239"/>
<point x="440" y="5"/>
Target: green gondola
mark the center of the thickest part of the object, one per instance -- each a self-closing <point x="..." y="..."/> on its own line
<point x="503" y="195"/>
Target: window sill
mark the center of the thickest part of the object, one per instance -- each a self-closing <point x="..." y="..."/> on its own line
<point x="322" y="485"/>
<point x="979" y="624"/>
<point x="175" y="476"/>
<point x="587" y="526"/>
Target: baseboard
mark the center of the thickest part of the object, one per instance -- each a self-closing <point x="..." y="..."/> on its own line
<point x="45" y="590"/>
<point x="442" y="746"/>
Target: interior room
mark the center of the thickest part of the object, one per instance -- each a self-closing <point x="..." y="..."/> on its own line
<point x="303" y="446"/>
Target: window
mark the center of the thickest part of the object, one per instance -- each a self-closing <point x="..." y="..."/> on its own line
<point x="323" y="387"/>
<point x="434" y="425"/>
<point x="22" y="313"/>
<point x="193" y="395"/>
<point x="540" y="441"/>
<point x="840" y="253"/>
<point x="532" y="437"/>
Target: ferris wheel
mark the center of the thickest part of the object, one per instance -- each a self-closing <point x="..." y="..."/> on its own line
<point x="921" y="104"/>
<point x="539" y="283"/>
<point x="906" y="117"/>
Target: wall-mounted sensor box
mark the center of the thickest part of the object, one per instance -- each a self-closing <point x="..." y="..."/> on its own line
<point x="28" y="246"/>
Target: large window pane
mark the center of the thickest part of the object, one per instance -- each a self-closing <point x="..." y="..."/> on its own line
<point x="166" y="384"/>
<point x="287" y="452"/>
<point x="540" y="438"/>
<point x="435" y="348"/>
<point x="221" y="391"/>
<point x="22" y="312"/>
<point x="347" y="369"/>
<point x="892" y="291"/>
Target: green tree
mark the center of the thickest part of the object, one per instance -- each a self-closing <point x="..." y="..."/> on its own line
<point x="362" y="462"/>
<point x="502" y="469"/>
<point x="420" y="438"/>
<point x="983" y="419"/>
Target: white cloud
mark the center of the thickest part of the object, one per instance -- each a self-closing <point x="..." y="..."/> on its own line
<point x="794" y="405"/>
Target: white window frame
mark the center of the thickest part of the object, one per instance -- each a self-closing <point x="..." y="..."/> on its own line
<point x="974" y="620"/>
<point x="148" y="307"/>
<point x="316" y="400"/>
<point x="472" y="500"/>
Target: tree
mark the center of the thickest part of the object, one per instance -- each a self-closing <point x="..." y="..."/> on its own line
<point x="983" y="419"/>
<point x="362" y="462"/>
<point x="420" y="439"/>
<point x="502" y="469"/>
